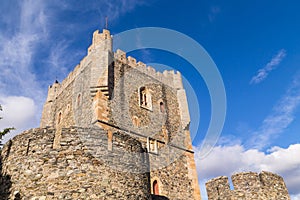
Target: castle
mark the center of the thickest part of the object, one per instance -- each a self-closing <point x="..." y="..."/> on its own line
<point x="116" y="129"/>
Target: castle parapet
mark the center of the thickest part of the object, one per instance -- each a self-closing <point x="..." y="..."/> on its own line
<point x="101" y="40"/>
<point x="169" y="78"/>
<point x="248" y="186"/>
<point x="218" y="188"/>
<point x="245" y="181"/>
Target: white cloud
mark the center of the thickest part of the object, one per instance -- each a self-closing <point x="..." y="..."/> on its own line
<point x="21" y="93"/>
<point x="19" y="47"/>
<point x="280" y="118"/>
<point x="295" y="197"/>
<point x="226" y="160"/>
<point x="18" y="112"/>
<point x="264" y="72"/>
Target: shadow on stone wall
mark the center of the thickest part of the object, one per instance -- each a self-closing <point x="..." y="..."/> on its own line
<point x="158" y="197"/>
<point x="5" y="183"/>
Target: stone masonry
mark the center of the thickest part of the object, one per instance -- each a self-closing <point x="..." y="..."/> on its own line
<point x="80" y="169"/>
<point x="248" y="186"/>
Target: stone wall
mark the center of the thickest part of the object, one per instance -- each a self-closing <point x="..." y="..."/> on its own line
<point x="248" y="186"/>
<point x="82" y="168"/>
<point x="169" y="165"/>
<point x="126" y="105"/>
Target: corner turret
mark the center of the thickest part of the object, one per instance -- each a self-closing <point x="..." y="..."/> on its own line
<point x="46" y="119"/>
<point x="52" y="91"/>
<point x="101" y="40"/>
<point x="101" y="56"/>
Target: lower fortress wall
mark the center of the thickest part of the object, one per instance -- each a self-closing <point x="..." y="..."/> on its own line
<point x="87" y="165"/>
<point x="248" y="186"/>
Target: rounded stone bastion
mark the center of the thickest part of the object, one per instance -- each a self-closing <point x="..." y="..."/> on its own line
<point x="89" y="163"/>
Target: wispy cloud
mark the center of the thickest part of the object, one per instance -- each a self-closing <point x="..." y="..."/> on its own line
<point x="264" y="72"/>
<point x="18" y="50"/>
<point x="113" y="9"/>
<point x="21" y="93"/>
<point x="280" y="118"/>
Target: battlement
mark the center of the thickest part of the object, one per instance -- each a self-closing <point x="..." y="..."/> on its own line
<point x="170" y="78"/>
<point x="103" y="40"/>
<point x="248" y="186"/>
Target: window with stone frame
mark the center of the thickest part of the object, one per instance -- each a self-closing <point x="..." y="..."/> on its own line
<point x="152" y="146"/>
<point x="145" y="99"/>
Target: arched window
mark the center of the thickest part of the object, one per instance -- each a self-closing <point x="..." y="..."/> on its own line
<point x="145" y="98"/>
<point x="59" y="118"/>
<point x="136" y="121"/>
<point x="162" y="107"/>
<point x="155" y="188"/>
<point x="78" y="99"/>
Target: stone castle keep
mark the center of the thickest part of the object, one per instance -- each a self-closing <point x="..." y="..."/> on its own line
<point x="113" y="129"/>
<point x="116" y="129"/>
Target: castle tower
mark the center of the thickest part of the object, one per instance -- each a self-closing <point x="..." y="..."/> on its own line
<point x="47" y="115"/>
<point x="119" y="94"/>
<point x="102" y="56"/>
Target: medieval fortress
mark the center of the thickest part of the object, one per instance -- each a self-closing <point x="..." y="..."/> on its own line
<point x="116" y="129"/>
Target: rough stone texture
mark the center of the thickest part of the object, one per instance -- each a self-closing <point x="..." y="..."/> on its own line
<point x="81" y="169"/>
<point x="248" y="186"/>
<point x="104" y="89"/>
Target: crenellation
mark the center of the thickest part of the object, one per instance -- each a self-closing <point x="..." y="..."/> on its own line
<point x="100" y="40"/>
<point x="121" y="56"/>
<point x="274" y="183"/>
<point x="218" y="188"/>
<point x="248" y="186"/>
<point x="131" y="61"/>
<point x="178" y="80"/>
<point x="151" y="70"/>
<point x="170" y="78"/>
<point x="246" y="181"/>
<point x="141" y="64"/>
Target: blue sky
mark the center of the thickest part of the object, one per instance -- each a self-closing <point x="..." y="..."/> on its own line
<point x="255" y="45"/>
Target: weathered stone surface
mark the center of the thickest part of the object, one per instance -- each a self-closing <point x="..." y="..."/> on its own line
<point x="89" y="174"/>
<point x="248" y="186"/>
